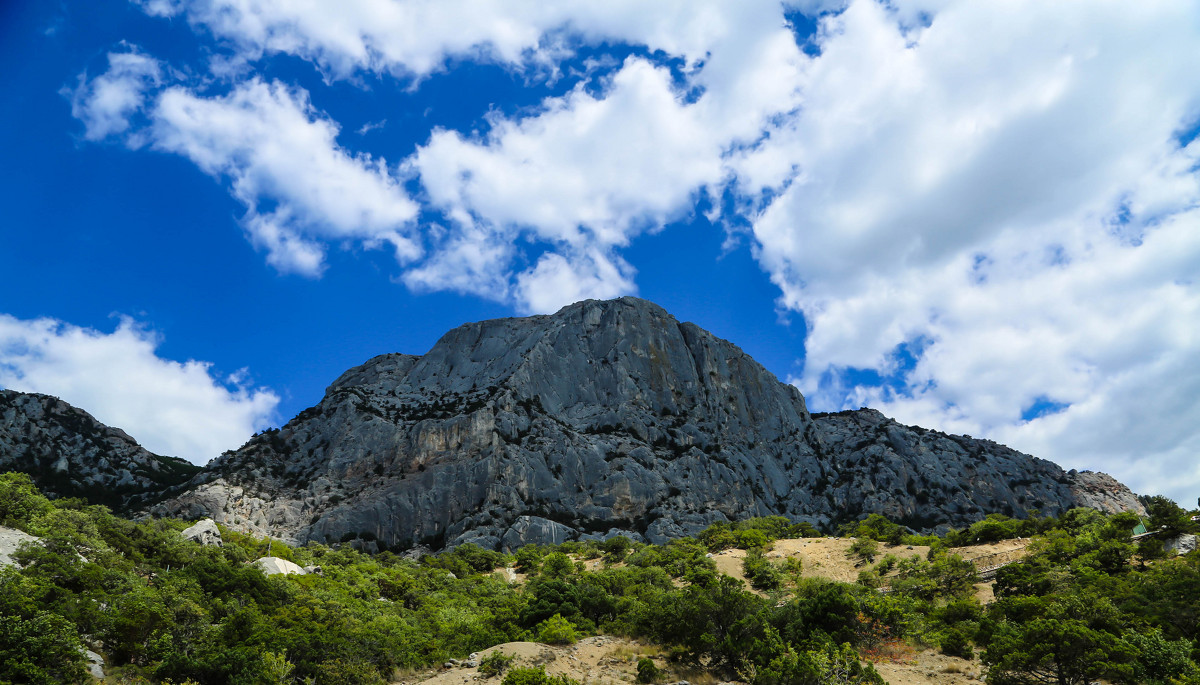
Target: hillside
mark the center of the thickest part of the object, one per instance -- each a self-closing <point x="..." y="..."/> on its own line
<point x="154" y="606"/>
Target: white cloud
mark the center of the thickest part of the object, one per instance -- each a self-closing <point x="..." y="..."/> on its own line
<point x="171" y="408"/>
<point x="556" y="280"/>
<point x="278" y="154"/>
<point x="417" y="37"/>
<point x="1003" y="189"/>
<point x="273" y="148"/>
<point x="105" y="103"/>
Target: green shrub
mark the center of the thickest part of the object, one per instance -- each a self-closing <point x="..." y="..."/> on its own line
<point x="494" y="664"/>
<point x="535" y="676"/>
<point x="557" y="630"/>
<point x="762" y="574"/>
<point x="864" y="548"/>
<point x="956" y="643"/>
<point x="647" y="672"/>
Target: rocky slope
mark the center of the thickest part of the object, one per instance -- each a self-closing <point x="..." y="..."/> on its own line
<point x="70" y="454"/>
<point x="607" y="416"/>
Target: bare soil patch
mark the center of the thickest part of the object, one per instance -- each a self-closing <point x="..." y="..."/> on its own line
<point x="600" y="660"/>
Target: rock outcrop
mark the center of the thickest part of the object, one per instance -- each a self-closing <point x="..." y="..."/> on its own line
<point x="204" y="532"/>
<point x="1103" y="492"/>
<point x="1181" y="544"/>
<point x="10" y="540"/>
<point x="70" y="454"/>
<point x="605" y="418"/>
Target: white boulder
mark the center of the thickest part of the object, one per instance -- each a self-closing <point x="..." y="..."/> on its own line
<point x="275" y="565"/>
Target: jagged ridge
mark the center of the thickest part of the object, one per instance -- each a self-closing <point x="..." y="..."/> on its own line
<point x="71" y="454"/>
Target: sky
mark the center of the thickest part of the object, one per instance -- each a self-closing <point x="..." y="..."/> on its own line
<point x="982" y="218"/>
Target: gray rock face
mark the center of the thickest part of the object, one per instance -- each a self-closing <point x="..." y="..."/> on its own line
<point x="924" y="478"/>
<point x="1182" y="544"/>
<point x="605" y="418"/>
<point x="70" y="454"/>
<point x="204" y="532"/>
<point x="10" y="540"/>
<point x="95" y="664"/>
<point x="1103" y="492"/>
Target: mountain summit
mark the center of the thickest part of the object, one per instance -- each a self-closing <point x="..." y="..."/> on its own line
<point x="606" y="417"/>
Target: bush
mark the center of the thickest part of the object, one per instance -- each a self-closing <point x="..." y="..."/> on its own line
<point x="494" y="664"/>
<point x="956" y="643"/>
<point x="647" y="672"/>
<point x="762" y="574"/>
<point x="864" y="548"/>
<point x="535" y="676"/>
<point x="557" y="630"/>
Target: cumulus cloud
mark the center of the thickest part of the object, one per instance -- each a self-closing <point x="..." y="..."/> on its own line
<point x="416" y="38"/>
<point x="271" y="146"/>
<point x="279" y="156"/>
<point x="987" y="212"/>
<point x="106" y="103"/>
<point x="171" y="408"/>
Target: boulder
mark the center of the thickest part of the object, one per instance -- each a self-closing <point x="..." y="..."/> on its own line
<point x="95" y="664"/>
<point x="535" y="530"/>
<point x="1182" y="544"/>
<point x="272" y="566"/>
<point x="204" y="532"/>
<point x="10" y="539"/>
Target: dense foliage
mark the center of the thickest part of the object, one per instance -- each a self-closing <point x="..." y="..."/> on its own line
<point x="1087" y="604"/>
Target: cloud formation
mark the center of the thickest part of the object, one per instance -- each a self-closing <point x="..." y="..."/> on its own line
<point x="266" y="140"/>
<point x="171" y="408"/>
<point x="989" y="207"/>
<point x="992" y="192"/>
<point x="106" y="103"/>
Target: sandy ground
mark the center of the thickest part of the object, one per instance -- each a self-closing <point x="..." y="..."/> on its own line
<point x="931" y="668"/>
<point x="827" y="558"/>
<point x="600" y="660"/>
<point x="605" y="660"/>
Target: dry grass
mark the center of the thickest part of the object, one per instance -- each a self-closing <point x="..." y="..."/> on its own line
<point x="695" y="676"/>
<point x="635" y="652"/>
<point x="893" y="651"/>
<point x="953" y="668"/>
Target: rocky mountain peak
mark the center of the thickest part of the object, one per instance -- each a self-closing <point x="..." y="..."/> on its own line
<point x="605" y="417"/>
<point x="71" y="454"/>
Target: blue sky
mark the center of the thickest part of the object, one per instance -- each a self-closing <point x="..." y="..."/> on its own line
<point x="976" y="218"/>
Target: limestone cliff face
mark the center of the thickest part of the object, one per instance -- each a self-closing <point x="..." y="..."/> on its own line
<point x="71" y="454"/>
<point x="607" y="416"/>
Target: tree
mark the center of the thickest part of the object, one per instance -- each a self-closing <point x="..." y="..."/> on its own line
<point x="1167" y="515"/>
<point x="20" y="501"/>
<point x="42" y="648"/>
<point x="1073" y="640"/>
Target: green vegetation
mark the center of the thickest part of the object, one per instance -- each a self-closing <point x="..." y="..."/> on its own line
<point x="647" y="672"/>
<point x="535" y="676"/>
<point x="1087" y="604"/>
<point x="494" y="664"/>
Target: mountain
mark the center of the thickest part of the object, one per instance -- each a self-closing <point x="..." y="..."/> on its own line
<point x="71" y="454"/>
<point x="608" y="416"/>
